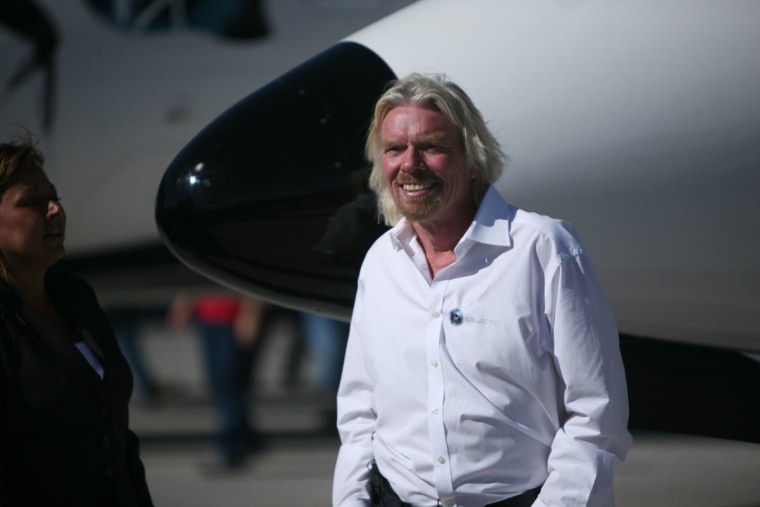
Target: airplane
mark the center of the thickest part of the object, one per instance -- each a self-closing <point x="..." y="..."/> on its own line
<point x="638" y="122"/>
<point x="115" y="88"/>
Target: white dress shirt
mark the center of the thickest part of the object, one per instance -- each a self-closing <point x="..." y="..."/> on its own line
<point x="500" y="374"/>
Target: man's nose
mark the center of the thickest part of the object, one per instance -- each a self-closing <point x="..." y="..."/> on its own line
<point x="412" y="160"/>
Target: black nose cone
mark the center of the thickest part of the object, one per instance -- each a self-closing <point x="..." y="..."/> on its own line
<point x="271" y="197"/>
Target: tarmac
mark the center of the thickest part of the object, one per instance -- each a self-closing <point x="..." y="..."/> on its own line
<point x="661" y="470"/>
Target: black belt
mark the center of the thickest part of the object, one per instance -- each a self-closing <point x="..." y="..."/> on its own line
<point x="384" y="496"/>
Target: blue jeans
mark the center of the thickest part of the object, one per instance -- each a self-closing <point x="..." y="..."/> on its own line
<point x="326" y="339"/>
<point x="228" y="367"/>
<point x="125" y="327"/>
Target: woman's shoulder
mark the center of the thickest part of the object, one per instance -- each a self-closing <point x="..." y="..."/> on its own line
<point x="10" y="303"/>
<point x="62" y="279"/>
<point x="71" y="292"/>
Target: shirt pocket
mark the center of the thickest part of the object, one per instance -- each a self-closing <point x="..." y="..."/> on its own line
<point x="496" y="350"/>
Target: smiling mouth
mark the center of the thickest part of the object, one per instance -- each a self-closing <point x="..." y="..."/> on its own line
<point x="416" y="187"/>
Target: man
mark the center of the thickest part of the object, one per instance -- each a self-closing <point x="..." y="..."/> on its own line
<point x="483" y="365"/>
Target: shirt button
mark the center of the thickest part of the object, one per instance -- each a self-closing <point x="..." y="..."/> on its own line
<point x="441" y="460"/>
<point x="435" y="411"/>
<point x="434" y="363"/>
<point x="436" y="315"/>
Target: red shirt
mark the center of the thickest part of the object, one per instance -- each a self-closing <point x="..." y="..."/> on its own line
<point x="217" y="309"/>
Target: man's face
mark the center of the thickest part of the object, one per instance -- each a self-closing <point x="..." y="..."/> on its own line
<point x="425" y="165"/>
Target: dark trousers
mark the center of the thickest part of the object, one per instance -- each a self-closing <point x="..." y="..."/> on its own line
<point x="384" y="496"/>
<point x="229" y="374"/>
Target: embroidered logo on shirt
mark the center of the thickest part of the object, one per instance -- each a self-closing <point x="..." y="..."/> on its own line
<point x="457" y="318"/>
<point x="485" y="322"/>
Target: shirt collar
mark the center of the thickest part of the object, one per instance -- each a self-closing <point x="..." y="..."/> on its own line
<point x="490" y="226"/>
<point x="402" y="234"/>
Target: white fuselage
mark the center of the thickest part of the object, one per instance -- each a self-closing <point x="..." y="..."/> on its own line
<point x="639" y="122"/>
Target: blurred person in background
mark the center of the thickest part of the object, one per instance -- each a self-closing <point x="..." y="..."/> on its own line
<point x="126" y="326"/>
<point x="230" y="327"/>
<point x="325" y="339"/>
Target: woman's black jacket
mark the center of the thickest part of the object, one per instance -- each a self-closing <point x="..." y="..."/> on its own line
<point x="63" y="431"/>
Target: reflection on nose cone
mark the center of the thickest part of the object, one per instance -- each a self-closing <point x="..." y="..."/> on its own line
<point x="271" y="197"/>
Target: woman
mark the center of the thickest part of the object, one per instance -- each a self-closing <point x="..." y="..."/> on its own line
<point x="64" y="384"/>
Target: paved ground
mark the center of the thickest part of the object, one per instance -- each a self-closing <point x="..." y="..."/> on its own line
<point x="661" y="470"/>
